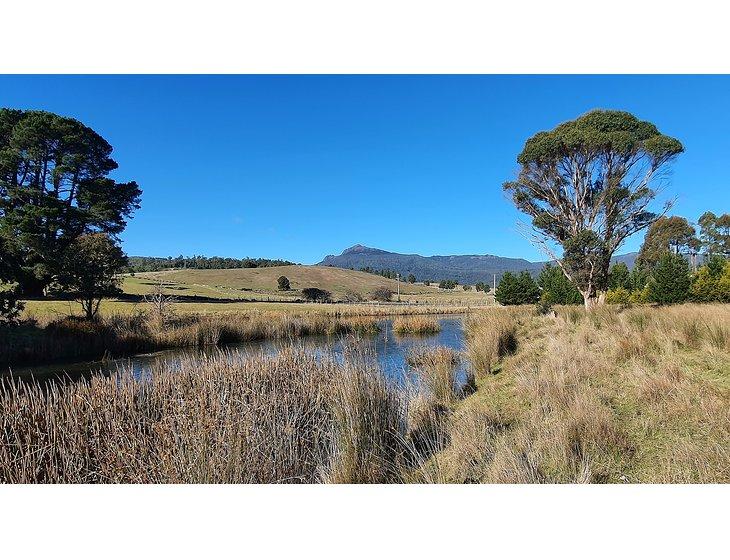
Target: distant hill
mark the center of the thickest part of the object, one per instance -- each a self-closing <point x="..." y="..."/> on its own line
<point x="466" y="269"/>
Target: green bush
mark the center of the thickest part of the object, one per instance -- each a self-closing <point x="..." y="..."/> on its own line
<point x="618" y="295"/>
<point x="711" y="283"/>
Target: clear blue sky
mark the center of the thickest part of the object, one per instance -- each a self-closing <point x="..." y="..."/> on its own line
<point x="298" y="167"/>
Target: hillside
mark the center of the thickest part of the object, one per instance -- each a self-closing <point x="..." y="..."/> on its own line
<point x="467" y="269"/>
<point x="258" y="283"/>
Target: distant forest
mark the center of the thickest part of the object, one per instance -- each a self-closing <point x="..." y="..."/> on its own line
<point x="151" y="264"/>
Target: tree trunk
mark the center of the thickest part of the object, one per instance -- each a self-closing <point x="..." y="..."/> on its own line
<point x="594" y="300"/>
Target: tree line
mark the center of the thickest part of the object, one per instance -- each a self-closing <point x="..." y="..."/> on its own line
<point x="675" y="265"/>
<point x="154" y="264"/>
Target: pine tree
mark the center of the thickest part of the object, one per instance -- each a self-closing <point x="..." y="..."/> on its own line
<point x="670" y="282"/>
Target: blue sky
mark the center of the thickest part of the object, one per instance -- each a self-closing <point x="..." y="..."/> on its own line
<point x="299" y="167"/>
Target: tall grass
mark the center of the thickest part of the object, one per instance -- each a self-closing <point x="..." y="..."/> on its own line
<point x="415" y="324"/>
<point x="490" y="337"/>
<point x="617" y="395"/>
<point x="292" y="418"/>
<point x="74" y="338"/>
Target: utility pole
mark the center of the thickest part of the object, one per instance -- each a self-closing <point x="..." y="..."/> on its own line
<point x="495" y="283"/>
<point x="398" y="277"/>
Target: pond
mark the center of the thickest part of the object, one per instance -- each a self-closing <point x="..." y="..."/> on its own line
<point x="390" y="351"/>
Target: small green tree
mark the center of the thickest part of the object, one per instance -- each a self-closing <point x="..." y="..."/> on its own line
<point x="90" y="269"/>
<point x="467" y="288"/>
<point x="517" y="289"/>
<point x="411" y="279"/>
<point x="448" y="284"/>
<point x="670" y="281"/>
<point x="284" y="285"/>
<point x="619" y="277"/>
<point x="556" y="288"/>
<point x="618" y="295"/>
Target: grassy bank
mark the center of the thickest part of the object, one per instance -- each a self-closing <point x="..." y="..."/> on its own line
<point x="635" y="395"/>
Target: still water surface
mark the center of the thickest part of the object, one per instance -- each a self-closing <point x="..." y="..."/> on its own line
<point x="389" y="350"/>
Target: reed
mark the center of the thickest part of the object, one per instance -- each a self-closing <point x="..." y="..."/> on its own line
<point x="415" y="325"/>
<point x="74" y="338"/>
<point x="290" y="418"/>
<point x="490" y="337"/>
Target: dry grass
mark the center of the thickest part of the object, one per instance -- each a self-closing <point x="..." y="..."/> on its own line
<point x="437" y="372"/>
<point x="292" y="418"/>
<point x="633" y="395"/>
<point x="74" y="338"/>
<point x="617" y="395"/>
<point x="416" y="324"/>
<point x="491" y="335"/>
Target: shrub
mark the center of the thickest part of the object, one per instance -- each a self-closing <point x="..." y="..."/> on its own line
<point x="353" y="297"/>
<point x="619" y="295"/>
<point x="284" y="285"/>
<point x="411" y="279"/>
<point x="640" y="296"/>
<point x="382" y="294"/>
<point x="448" y="284"/>
<point x="317" y="294"/>
<point x="467" y="288"/>
<point x="712" y="282"/>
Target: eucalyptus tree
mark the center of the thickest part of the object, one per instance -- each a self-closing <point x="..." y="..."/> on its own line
<point x="54" y="187"/>
<point x="672" y="234"/>
<point x="588" y="185"/>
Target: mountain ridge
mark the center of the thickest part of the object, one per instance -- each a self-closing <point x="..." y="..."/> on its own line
<point x="466" y="269"/>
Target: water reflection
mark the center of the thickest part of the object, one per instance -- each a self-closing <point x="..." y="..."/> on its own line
<point x="390" y="351"/>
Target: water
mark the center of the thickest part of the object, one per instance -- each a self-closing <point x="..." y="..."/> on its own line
<point x="390" y="351"/>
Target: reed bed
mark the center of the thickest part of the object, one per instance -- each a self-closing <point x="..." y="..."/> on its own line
<point x="415" y="325"/>
<point x="616" y="395"/>
<point x="75" y="338"/>
<point x="436" y="367"/>
<point x="291" y="418"/>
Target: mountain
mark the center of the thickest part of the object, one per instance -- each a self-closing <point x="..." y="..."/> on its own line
<point x="466" y="269"/>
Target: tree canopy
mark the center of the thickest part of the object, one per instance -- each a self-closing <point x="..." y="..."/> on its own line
<point x="54" y="187"/>
<point x="672" y="234"/>
<point x="587" y="185"/>
<point x="517" y="289"/>
<point x="715" y="233"/>
<point x="90" y="270"/>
